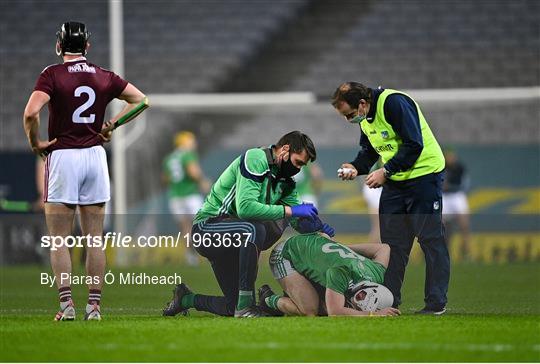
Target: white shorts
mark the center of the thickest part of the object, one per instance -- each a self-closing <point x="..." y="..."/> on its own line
<point x="455" y="203"/>
<point x="280" y="266"/>
<point x="77" y="176"/>
<point x="372" y="196"/>
<point x="187" y="205"/>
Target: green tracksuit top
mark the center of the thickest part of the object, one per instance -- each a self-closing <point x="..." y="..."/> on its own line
<point x="244" y="190"/>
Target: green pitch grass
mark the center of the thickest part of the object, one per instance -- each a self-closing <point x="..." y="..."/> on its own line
<point x="493" y="316"/>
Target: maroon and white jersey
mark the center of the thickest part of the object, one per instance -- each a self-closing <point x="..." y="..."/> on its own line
<point x="79" y="92"/>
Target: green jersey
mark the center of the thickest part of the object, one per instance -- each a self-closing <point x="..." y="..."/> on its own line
<point x="245" y="190"/>
<point x="174" y="166"/>
<point x="332" y="265"/>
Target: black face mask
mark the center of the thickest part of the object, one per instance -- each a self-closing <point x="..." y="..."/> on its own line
<point x="288" y="169"/>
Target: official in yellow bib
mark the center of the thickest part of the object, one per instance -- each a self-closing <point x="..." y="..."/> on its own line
<point x="393" y="128"/>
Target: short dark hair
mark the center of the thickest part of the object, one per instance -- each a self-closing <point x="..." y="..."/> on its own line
<point x="351" y="93"/>
<point x="298" y="142"/>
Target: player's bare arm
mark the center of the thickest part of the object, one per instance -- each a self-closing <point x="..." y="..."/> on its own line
<point x="379" y="253"/>
<point x="136" y="101"/>
<point x="37" y="100"/>
<point x="195" y="172"/>
<point x="335" y="306"/>
<point x="317" y="178"/>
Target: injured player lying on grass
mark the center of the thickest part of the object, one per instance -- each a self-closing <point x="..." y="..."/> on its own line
<point x="319" y="276"/>
<point x="347" y="278"/>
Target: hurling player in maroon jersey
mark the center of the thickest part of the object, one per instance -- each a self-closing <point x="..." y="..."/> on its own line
<point x="77" y="93"/>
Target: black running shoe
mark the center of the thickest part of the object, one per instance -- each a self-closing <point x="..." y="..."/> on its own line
<point x="431" y="311"/>
<point x="174" y="307"/>
<point x="251" y="311"/>
<point x="264" y="292"/>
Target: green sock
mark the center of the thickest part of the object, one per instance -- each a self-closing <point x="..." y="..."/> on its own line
<point x="245" y="299"/>
<point x="272" y="301"/>
<point x="188" y="300"/>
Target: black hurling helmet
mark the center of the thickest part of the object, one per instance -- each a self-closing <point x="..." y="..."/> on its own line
<point x="72" y="38"/>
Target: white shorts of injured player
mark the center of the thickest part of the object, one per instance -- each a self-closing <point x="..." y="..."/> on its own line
<point x="370" y="296"/>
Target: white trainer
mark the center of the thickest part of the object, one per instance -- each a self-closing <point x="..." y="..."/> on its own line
<point x="94" y="315"/>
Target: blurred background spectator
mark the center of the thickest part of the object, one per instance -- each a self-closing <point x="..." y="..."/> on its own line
<point x="455" y="204"/>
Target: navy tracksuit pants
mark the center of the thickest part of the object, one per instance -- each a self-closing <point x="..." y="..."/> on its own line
<point x="235" y="268"/>
<point x="410" y="209"/>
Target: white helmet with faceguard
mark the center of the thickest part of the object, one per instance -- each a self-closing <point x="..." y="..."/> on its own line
<point x="370" y="296"/>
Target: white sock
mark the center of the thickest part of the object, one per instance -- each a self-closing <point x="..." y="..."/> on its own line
<point x="64" y="304"/>
<point x="89" y="308"/>
<point x="64" y="293"/>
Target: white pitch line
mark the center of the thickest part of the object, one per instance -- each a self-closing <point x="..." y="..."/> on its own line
<point x="392" y="346"/>
<point x="349" y="346"/>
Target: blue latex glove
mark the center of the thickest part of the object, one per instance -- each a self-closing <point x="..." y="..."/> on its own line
<point x="328" y="230"/>
<point x="308" y="225"/>
<point x="304" y="210"/>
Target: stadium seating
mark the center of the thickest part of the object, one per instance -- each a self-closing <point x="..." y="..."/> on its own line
<point x="449" y="44"/>
<point x="190" y="46"/>
<point x="306" y="45"/>
<point x="430" y="44"/>
<point x="174" y="46"/>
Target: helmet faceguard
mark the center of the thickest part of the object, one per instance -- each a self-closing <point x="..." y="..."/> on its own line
<point x="72" y="39"/>
<point x="370" y="296"/>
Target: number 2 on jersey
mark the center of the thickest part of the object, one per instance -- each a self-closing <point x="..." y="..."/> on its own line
<point x="77" y="118"/>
